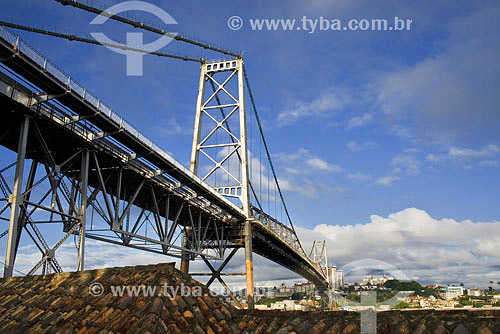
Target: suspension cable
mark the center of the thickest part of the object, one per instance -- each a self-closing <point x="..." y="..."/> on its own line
<point x="74" y="37"/>
<point x="141" y="25"/>
<point x="265" y="146"/>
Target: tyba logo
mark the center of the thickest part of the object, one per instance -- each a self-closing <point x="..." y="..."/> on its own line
<point x="134" y="39"/>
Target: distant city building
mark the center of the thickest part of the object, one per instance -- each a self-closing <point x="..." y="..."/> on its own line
<point x="474" y="292"/>
<point x="278" y="305"/>
<point x="303" y="288"/>
<point x="434" y="286"/>
<point x="335" y="278"/>
<point x="270" y="293"/>
<point x="376" y="281"/>
<point x="283" y="291"/>
<point x="452" y="292"/>
<point x="285" y="305"/>
<point x="369" y="280"/>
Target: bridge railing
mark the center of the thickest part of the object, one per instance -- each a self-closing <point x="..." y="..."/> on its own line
<point x="284" y="233"/>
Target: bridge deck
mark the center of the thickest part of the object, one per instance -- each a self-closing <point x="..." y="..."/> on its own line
<point x="80" y="120"/>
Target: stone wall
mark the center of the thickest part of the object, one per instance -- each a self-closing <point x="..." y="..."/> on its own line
<point x="389" y="322"/>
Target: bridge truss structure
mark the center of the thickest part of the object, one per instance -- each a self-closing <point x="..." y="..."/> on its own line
<point x="79" y="165"/>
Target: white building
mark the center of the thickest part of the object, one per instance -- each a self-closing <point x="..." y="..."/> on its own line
<point x="474" y="292"/>
<point x="376" y="281"/>
<point x="284" y="305"/>
<point x="452" y="292"/>
<point x="336" y="278"/>
<point x="278" y="306"/>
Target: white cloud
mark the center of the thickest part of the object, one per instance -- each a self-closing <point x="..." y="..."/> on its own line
<point x="452" y="93"/>
<point x="466" y="153"/>
<point x="489" y="163"/>
<point x="353" y="146"/>
<point x="358" y="121"/>
<point x="319" y="164"/>
<point x="387" y="180"/>
<point x="303" y="161"/>
<point x="422" y="247"/>
<point x="97" y="255"/>
<point x="327" y="102"/>
<point x="408" y="161"/>
<point x="308" y="187"/>
<point x="305" y="173"/>
<point x="434" y="158"/>
<point x="171" y="128"/>
<point x="434" y="250"/>
<point x="484" y="156"/>
<point x="404" y="163"/>
<point x="291" y="170"/>
<point x="358" y="176"/>
<point x="401" y="131"/>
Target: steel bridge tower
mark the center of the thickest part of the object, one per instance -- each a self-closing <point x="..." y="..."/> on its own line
<point x="220" y="135"/>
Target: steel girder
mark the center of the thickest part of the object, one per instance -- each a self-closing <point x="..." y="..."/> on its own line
<point x="136" y="207"/>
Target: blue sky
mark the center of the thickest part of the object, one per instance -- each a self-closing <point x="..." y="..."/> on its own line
<point x="359" y="123"/>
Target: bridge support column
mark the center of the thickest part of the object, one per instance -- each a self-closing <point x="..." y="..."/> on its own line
<point x="185" y="255"/>
<point x="16" y="201"/>
<point x="84" y="176"/>
<point x="247" y="232"/>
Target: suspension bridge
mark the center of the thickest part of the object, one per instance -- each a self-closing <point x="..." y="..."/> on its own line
<point x="82" y="166"/>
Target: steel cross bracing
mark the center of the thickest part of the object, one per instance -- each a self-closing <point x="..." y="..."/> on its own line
<point x="235" y="180"/>
<point x="113" y="192"/>
<point x="142" y="196"/>
<point x="319" y="256"/>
